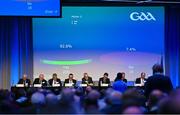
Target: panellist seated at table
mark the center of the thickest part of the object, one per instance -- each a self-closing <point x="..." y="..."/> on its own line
<point x="104" y="81"/>
<point x="55" y="81"/>
<point x="141" y="80"/>
<point x="87" y="80"/>
<point x="24" y="81"/>
<point x="70" y="81"/>
<point x="124" y="77"/>
<point x="40" y="81"/>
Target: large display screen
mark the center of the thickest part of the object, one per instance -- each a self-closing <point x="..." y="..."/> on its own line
<point x="98" y="39"/>
<point x="30" y="8"/>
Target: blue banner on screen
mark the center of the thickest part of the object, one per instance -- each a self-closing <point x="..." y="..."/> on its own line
<point x="30" y="8"/>
<point x="99" y="39"/>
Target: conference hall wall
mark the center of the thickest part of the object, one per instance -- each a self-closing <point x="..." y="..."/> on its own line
<point x="98" y="39"/>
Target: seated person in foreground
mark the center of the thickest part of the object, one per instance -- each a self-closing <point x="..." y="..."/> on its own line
<point x="87" y="79"/>
<point x="104" y="80"/>
<point x="55" y="81"/>
<point x="141" y="80"/>
<point x="40" y="80"/>
<point x="124" y="77"/>
<point x="25" y="81"/>
<point x="119" y="84"/>
<point x="70" y="80"/>
<point x="158" y="81"/>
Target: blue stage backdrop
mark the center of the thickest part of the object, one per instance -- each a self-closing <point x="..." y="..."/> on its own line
<point x="99" y="39"/>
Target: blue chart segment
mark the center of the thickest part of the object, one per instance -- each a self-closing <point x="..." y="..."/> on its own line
<point x="30" y="7"/>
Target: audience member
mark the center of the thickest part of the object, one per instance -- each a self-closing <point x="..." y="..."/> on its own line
<point x="158" y="81"/>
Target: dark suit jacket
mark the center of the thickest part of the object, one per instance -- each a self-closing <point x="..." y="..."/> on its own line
<point x="107" y="81"/>
<point x="138" y="80"/>
<point x="51" y="82"/>
<point x="21" y="81"/>
<point x="37" y="81"/>
<point x="125" y="80"/>
<point x="89" y="81"/>
<point x="160" y="82"/>
<point x="67" y="81"/>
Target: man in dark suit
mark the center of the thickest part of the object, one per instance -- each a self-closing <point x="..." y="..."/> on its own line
<point x="158" y="81"/>
<point x="104" y="80"/>
<point x="40" y="80"/>
<point x="70" y="80"/>
<point x="55" y="80"/>
<point x="87" y="79"/>
<point x="141" y="80"/>
<point x="25" y="81"/>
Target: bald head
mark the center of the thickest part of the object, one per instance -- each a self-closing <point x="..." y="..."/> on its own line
<point x="41" y="76"/>
<point x="155" y="97"/>
<point x="94" y="95"/>
<point x="115" y="97"/>
<point x="132" y="110"/>
<point x="51" y="99"/>
<point x="38" y="98"/>
<point x="24" y="77"/>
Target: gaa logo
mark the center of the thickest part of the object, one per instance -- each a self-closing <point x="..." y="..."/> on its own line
<point x="142" y="16"/>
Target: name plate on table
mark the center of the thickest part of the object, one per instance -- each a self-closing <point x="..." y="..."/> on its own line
<point x="83" y="85"/>
<point x="56" y="85"/>
<point x="37" y="85"/>
<point x="19" y="85"/>
<point x="138" y="85"/>
<point x="68" y="84"/>
<point x="104" y="85"/>
<point x="90" y="84"/>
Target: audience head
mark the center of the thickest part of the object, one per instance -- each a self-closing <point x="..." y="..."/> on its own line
<point x="114" y="98"/>
<point x="157" y="68"/>
<point x="154" y="97"/>
<point x="79" y="91"/>
<point x="171" y="104"/>
<point x="143" y="75"/>
<point x="54" y="76"/>
<point x="4" y="94"/>
<point x="67" y="96"/>
<point x="93" y="95"/>
<point x="133" y="110"/>
<point x="91" y="102"/>
<point x="68" y="101"/>
<point x="38" y="99"/>
<point x="51" y="99"/>
<point x="88" y="89"/>
<point x="133" y="97"/>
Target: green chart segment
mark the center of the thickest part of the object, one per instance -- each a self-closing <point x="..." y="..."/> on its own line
<point x="66" y="62"/>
